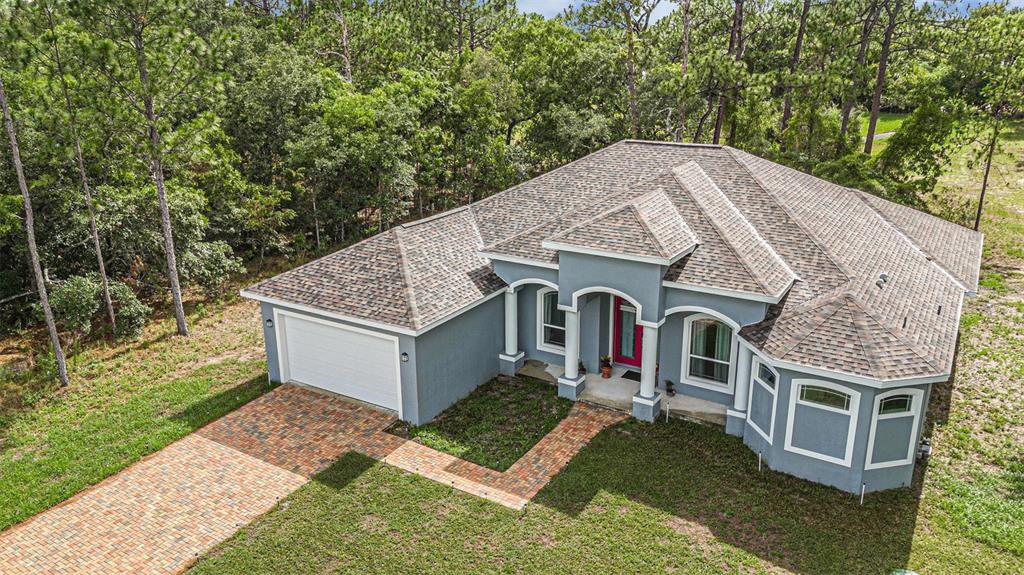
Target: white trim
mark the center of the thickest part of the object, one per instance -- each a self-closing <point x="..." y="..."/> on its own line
<point x="733" y="413"/>
<point x="540" y="344"/>
<point x="647" y="400"/>
<point x="512" y="358"/>
<point x="760" y="298"/>
<point x="369" y="323"/>
<point x="601" y="289"/>
<point x="305" y="308"/>
<point x="703" y="310"/>
<point x="794" y="392"/>
<point x="917" y="404"/>
<point x="684" y="376"/>
<point x="516" y="260"/>
<point x="559" y="246"/>
<point x="282" y="347"/>
<point x="755" y="380"/>
<point x="853" y="378"/>
<point x="526" y="281"/>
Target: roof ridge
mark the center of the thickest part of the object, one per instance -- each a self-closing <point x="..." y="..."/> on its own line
<point x="932" y="258"/>
<point x="410" y="294"/>
<point x="757" y="180"/>
<point x="729" y="241"/>
<point x="911" y="346"/>
<point x="872" y="363"/>
<point x="646" y="226"/>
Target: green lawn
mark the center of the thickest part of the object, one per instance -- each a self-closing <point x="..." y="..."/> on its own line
<point x="640" y="498"/>
<point x="887" y="122"/>
<point x="126" y="401"/>
<point x="496" y="424"/>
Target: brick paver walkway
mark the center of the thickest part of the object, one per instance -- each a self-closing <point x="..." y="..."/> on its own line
<point x="161" y="513"/>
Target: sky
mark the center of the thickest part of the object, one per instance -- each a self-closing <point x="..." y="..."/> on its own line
<point x="549" y="8"/>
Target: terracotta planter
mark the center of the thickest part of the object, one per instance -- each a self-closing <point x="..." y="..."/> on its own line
<point x="606" y="371"/>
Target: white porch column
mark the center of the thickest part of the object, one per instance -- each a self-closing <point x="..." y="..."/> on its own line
<point x="572" y="345"/>
<point x="649" y="362"/>
<point x="511" y="322"/>
<point x="742" y="387"/>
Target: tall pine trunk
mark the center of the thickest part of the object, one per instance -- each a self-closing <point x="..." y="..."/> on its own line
<point x="870" y="17"/>
<point x="156" y="167"/>
<point x="787" y="106"/>
<point x="86" y="191"/>
<point x="30" y="231"/>
<point x="892" y="12"/>
<point x="684" y="70"/>
<point x="634" y="116"/>
<point x="734" y="36"/>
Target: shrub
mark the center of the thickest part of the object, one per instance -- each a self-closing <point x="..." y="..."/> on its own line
<point x="129" y="312"/>
<point x="74" y="302"/>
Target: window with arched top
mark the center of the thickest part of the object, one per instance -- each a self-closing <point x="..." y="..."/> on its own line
<point x="894" y="428"/>
<point x="550" y="322"/>
<point x="709" y="351"/>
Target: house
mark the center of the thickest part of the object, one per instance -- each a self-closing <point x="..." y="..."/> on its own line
<point x="816" y="317"/>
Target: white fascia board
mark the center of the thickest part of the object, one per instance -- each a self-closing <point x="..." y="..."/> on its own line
<point x="368" y="323"/>
<point x="517" y="260"/>
<point x="760" y="298"/>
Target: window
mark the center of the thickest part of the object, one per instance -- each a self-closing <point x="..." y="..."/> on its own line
<point x="895" y="404"/>
<point x="710" y="352"/>
<point x="898" y="412"/>
<point x="765" y="376"/>
<point x="550" y="322"/>
<point x="825" y="396"/>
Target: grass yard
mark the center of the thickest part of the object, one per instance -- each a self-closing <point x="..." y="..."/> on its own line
<point x="496" y="424"/>
<point x="887" y="122"/>
<point x="126" y="401"/>
<point x="641" y="498"/>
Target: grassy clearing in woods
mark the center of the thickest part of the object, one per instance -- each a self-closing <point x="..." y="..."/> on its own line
<point x="126" y="401"/>
<point x="496" y="424"/>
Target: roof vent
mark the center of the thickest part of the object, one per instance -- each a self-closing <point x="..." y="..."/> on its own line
<point x="883" y="278"/>
<point x="940" y="311"/>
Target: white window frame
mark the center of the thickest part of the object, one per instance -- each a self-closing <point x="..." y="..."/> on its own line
<point x="685" y="377"/>
<point x="853" y="412"/>
<point x="916" y="408"/>
<point x="774" y="391"/>
<point x="541" y="345"/>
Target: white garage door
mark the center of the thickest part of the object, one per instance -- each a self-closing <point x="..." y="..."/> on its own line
<point x="347" y="361"/>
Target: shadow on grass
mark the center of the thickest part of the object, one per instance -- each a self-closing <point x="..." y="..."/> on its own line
<point x="201" y="412"/>
<point x="344" y="470"/>
<point x="709" y="485"/>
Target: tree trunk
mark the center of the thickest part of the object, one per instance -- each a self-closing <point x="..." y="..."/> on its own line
<point x="892" y="12"/>
<point x="634" y="121"/>
<point x="30" y="231"/>
<point x="86" y="191"/>
<point x="684" y="70"/>
<point x="158" y="177"/>
<point x="787" y="107"/>
<point x="345" y="53"/>
<point x="862" y="52"/>
<point x="988" y="165"/>
<point x="734" y="34"/>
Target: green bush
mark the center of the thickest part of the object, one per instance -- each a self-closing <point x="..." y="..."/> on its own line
<point x="129" y="312"/>
<point x="74" y="302"/>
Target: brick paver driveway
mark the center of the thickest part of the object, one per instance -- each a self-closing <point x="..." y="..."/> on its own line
<point x="158" y="515"/>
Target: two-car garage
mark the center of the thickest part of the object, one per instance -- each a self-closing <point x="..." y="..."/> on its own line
<point x="346" y="360"/>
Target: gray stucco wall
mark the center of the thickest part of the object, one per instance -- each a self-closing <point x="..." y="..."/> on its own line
<point x="743" y="312"/>
<point x="455" y="357"/>
<point x="406" y="344"/>
<point x="513" y="272"/>
<point x="825" y="431"/>
<point x="640" y="281"/>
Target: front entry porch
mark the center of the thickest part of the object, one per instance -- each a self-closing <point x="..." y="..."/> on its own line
<point x="617" y="392"/>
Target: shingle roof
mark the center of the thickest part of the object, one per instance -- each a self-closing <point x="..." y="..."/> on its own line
<point x="758" y="227"/>
<point x="647" y="226"/>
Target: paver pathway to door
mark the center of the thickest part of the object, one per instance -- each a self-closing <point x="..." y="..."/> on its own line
<point x="161" y="513"/>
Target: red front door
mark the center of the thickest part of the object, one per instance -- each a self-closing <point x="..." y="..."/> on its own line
<point x="628" y="336"/>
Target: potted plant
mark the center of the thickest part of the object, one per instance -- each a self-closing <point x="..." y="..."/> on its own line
<point x="670" y="388"/>
<point x="606" y="366"/>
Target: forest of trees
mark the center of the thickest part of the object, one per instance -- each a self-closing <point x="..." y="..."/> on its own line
<point x="152" y="146"/>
